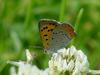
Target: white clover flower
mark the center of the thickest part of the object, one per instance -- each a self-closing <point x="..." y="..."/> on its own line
<point x="72" y="60"/>
<point x="26" y="68"/>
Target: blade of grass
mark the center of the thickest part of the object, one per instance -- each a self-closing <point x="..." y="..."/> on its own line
<point x="79" y="16"/>
<point x="28" y="14"/>
<point x="16" y="41"/>
<point x="62" y="9"/>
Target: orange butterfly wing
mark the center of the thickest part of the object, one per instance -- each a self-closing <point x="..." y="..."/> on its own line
<point x="46" y="27"/>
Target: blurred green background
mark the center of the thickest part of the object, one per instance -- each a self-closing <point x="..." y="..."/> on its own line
<point x="19" y="28"/>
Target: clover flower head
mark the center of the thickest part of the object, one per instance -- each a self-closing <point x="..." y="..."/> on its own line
<point x="72" y="60"/>
<point x="26" y="68"/>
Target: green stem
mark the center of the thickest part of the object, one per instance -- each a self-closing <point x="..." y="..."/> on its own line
<point x="94" y="72"/>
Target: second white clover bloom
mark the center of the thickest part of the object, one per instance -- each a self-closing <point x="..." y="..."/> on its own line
<point x="26" y="68"/>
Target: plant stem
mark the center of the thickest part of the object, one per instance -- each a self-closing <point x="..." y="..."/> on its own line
<point x="94" y="72"/>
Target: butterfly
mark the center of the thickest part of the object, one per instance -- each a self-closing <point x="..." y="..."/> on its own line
<point x="55" y="35"/>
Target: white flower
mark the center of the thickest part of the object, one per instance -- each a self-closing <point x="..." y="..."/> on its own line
<point x="26" y="68"/>
<point x="72" y="60"/>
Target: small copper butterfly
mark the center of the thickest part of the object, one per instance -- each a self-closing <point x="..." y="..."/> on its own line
<point x="55" y="35"/>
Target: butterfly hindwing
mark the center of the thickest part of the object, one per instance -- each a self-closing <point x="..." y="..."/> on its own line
<point x="59" y="40"/>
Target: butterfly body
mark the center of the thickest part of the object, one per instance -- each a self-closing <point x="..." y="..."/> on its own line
<point x="55" y="35"/>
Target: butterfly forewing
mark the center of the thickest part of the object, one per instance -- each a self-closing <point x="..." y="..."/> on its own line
<point x="46" y="28"/>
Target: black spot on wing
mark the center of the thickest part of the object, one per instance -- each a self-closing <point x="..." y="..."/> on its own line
<point x="52" y="38"/>
<point x="50" y="30"/>
<point x="41" y="29"/>
<point x="46" y="39"/>
<point x="45" y="35"/>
